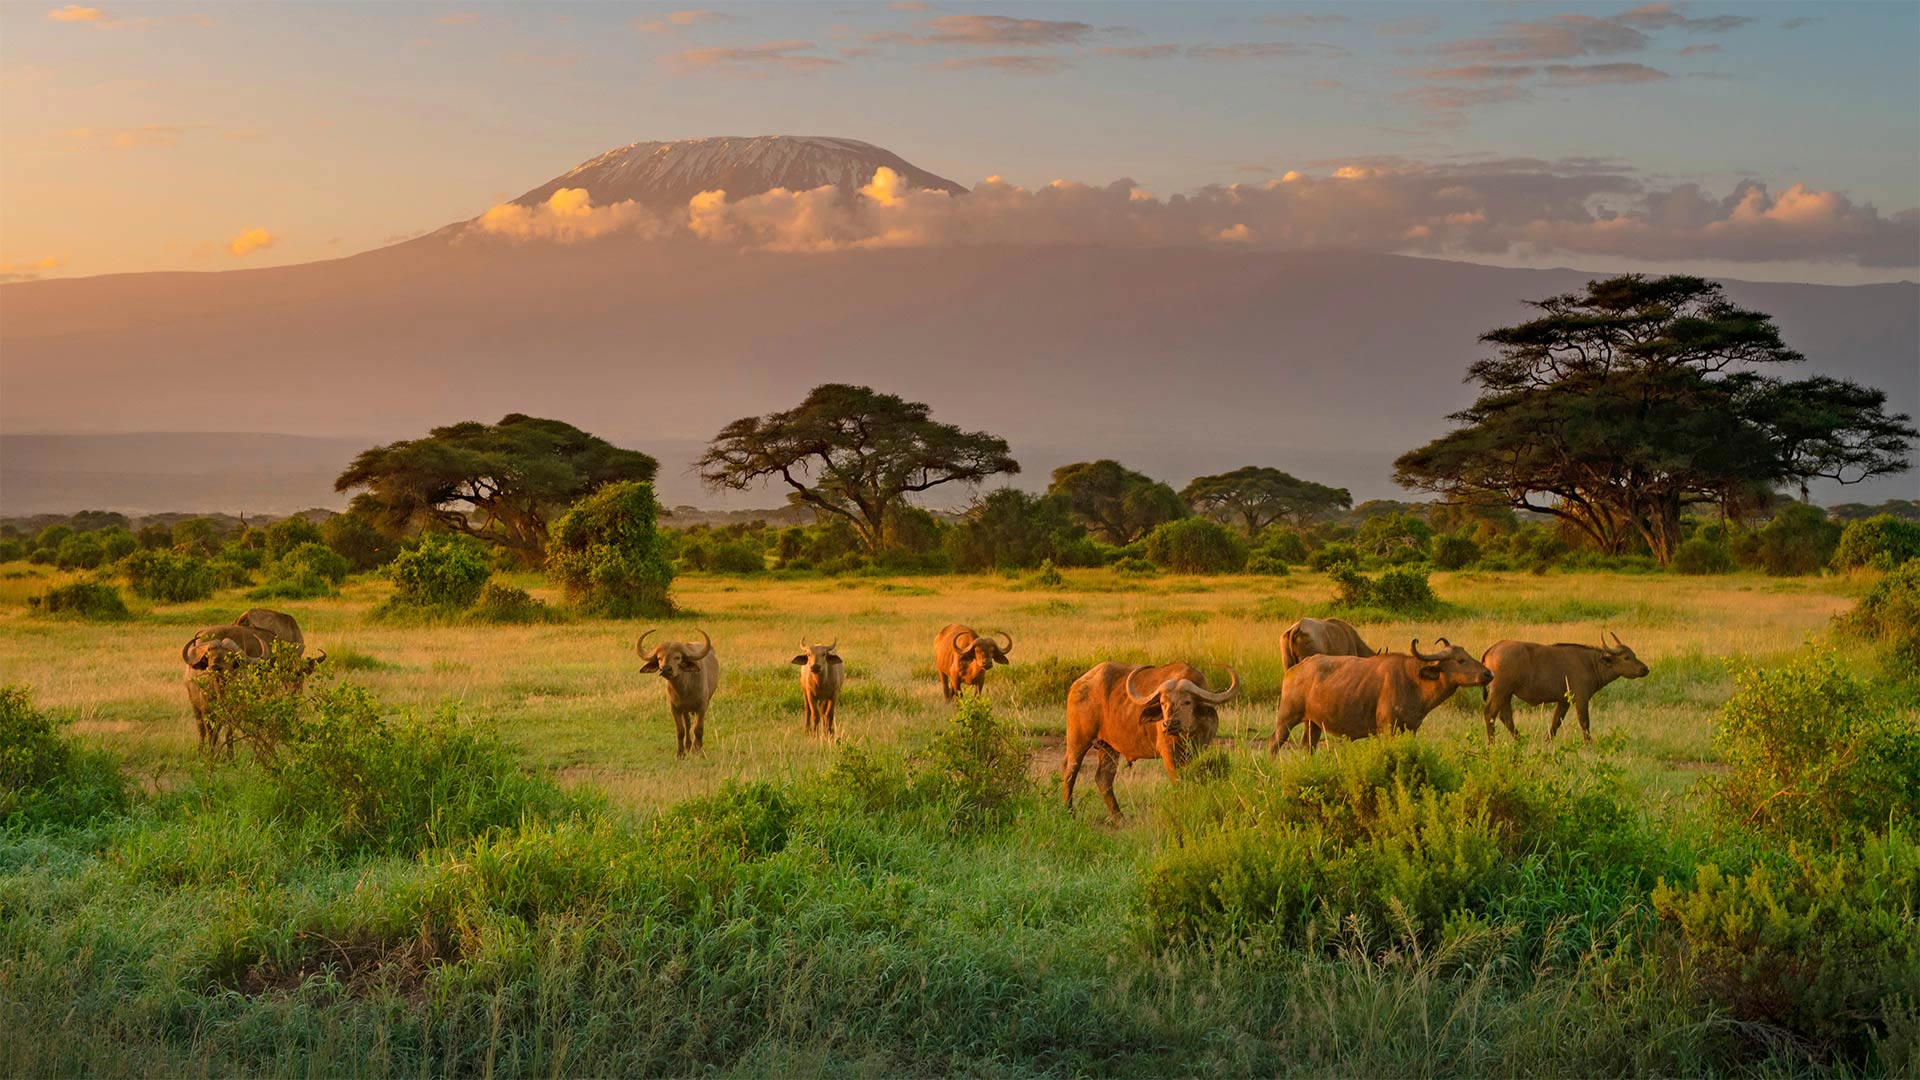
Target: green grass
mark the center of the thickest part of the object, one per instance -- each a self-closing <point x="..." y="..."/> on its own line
<point x="652" y="927"/>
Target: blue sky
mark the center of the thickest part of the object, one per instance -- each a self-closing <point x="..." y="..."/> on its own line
<point x="136" y="137"/>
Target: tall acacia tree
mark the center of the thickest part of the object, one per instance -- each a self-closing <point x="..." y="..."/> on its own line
<point x="1117" y="503"/>
<point x="1622" y="405"/>
<point x="499" y="483"/>
<point x="1259" y="496"/>
<point x="852" y="452"/>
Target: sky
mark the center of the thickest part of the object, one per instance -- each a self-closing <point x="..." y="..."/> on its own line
<point x="218" y="135"/>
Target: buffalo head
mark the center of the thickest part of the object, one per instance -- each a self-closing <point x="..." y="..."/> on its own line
<point x="1452" y="665"/>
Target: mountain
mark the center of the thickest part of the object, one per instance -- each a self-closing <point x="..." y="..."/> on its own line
<point x="664" y="175"/>
<point x="1177" y="361"/>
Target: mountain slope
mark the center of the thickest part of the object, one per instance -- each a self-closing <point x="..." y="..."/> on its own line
<point x="664" y="175"/>
<point x="1175" y="361"/>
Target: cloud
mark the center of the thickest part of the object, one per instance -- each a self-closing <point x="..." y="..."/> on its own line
<point x="1252" y="168"/>
<point x="568" y="216"/>
<point x="1662" y="16"/>
<point x="909" y="5"/>
<point x="250" y="241"/>
<point x="76" y="13"/>
<point x="1481" y="72"/>
<point x="459" y="18"/>
<point x="1510" y="206"/>
<point x="1592" y="74"/>
<point x="990" y="31"/>
<point x="1561" y="37"/>
<point x="1011" y="65"/>
<point x="1140" y="52"/>
<point x="774" y="54"/>
<point x="1698" y="50"/>
<point x="677" y="21"/>
<point x="1797" y="22"/>
<point x="1299" y="20"/>
<point x="1408" y="26"/>
<point x="100" y="20"/>
<point x="149" y="136"/>
<point x="30" y="270"/>
<point x="1263" y="50"/>
<point x="1456" y="98"/>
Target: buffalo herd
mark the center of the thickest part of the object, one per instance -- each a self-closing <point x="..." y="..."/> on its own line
<point x="1333" y="683"/>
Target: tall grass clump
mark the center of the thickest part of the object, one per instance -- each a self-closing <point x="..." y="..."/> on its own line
<point x="46" y="777"/>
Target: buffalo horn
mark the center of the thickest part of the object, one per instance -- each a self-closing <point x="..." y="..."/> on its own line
<point x="1136" y="698"/>
<point x="1425" y="656"/>
<point x="704" y="651"/>
<point x="1219" y="697"/>
<point x="639" y="646"/>
<point x="1009" y="646"/>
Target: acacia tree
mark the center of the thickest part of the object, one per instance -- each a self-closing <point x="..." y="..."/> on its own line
<point x="498" y="482"/>
<point x="1118" y="504"/>
<point x="1260" y="496"/>
<point x="853" y="453"/>
<point x="1622" y="405"/>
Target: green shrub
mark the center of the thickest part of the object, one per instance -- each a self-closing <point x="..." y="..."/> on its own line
<point x="976" y="766"/>
<point x="1881" y="542"/>
<point x="12" y="550"/>
<point x="1333" y="554"/>
<point x="257" y="703"/>
<point x="1889" y="616"/>
<point x="1394" y="537"/>
<point x="609" y="556"/>
<point x="1262" y="562"/>
<point x="505" y="604"/>
<point x="357" y="541"/>
<point x="285" y="535"/>
<point x="89" y="600"/>
<point x="736" y="557"/>
<point x="308" y="571"/>
<point x="443" y="571"/>
<point x="1826" y="948"/>
<point x="169" y="577"/>
<point x="1815" y="754"/>
<point x="1049" y="576"/>
<point x="47" y="778"/>
<point x="1133" y="565"/>
<point x="52" y="537"/>
<point x="81" y="551"/>
<point x="1799" y="540"/>
<point x="154" y="536"/>
<point x="1196" y="546"/>
<point x="1454" y="551"/>
<point x="197" y="536"/>
<point x="1401" y="589"/>
<point x="1700" y="555"/>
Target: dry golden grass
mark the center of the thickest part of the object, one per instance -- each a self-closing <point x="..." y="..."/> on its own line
<point x="572" y="697"/>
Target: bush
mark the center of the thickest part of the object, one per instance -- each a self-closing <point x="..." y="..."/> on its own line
<point x="1277" y="548"/>
<point x="1333" y="554"/>
<point x="736" y="557"/>
<point x="444" y="571"/>
<point x="1454" y="551"/>
<point x="1815" y="754"/>
<point x="155" y="536"/>
<point x="12" y="550"/>
<point x="197" y="536"/>
<point x="1196" y="546"/>
<point x="1700" y="555"/>
<point x="47" y="778"/>
<point x="308" y="571"/>
<point x="1134" y="566"/>
<point x="609" y="556"/>
<point x="89" y="600"/>
<point x="81" y="551"/>
<point x="1799" y="540"/>
<point x="1263" y="562"/>
<point x="1881" y="542"/>
<point x="1889" y="616"/>
<point x="1012" y="530"/>
<point x="1394" y="537"/>
<point x="355" y="539"/>
<point x="977" y="766"/>
<point x="168" y="577"/>
<point x="1825" y="948"/>
<point x="285" y="535"/>
<point x="1401" y="589"/>
<point x="505" y="604"/>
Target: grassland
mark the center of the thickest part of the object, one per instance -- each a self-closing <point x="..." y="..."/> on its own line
<point x="872" y="939"/>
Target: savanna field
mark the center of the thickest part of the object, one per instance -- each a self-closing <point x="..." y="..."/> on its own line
<point x="497" y="866"/>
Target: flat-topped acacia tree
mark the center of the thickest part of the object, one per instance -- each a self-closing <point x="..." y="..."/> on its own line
<point x="512" y="476"/>
<point x="1259" y="496"/>
<point x="852" y="452"/>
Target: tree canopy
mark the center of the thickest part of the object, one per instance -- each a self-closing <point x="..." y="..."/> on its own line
<point x="1259" y="496"/>
<point x="1116" y="503"/>
<point x="511" y="477"/>
<point x="852" y="452"/>
<point x="1622" y="405"/>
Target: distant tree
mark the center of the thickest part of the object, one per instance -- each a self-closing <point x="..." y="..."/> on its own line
<point x="1623" y="405"/>
<point x="1258" y="496"/>
<point x="357" y="541"/>
<point x="288" y="533"/>
<point x="198" y="536"/>
<point x="1010" y="529"/>
<point x="1116" y="503"/>
<point x="853" y="453"/>
<point x="512" y="476"/>
<point x="95" y="520"/>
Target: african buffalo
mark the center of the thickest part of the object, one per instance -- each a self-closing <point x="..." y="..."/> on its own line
<point x="1563" y="674"/>
<point x="1133" y="712"/>
<point x="821" y="675"/>
<point x="215" y="652"/>
<point x="1320" y="637"/>
<point x="963" y="657"/>
<point x="1358" y="696"/>
<point x="692" y="673"/>
<point x="282" y="626"/>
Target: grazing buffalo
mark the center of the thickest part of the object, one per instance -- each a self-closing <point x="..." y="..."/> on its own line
<point x="692" y="673"/>
<point x="282" y="626"/>
<point x="1562" y="674"/>
<point x="1358" y="696"/>
<point x="1133" y="712"/>
<point x="822" y="674"/>
<point x="963" y="657"/>
<point x="1320" y="637"/>
<point x="215" y="652"/>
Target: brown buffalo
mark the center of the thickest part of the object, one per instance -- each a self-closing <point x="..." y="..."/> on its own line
<point x="1358" y="696"/>
<point x="215" y="652"/>
<point x="1133" y="712"/>
<point x="1563" y="674"/>
<point x="822" y="674"/>
<point x="692" y="674"/>
<point x="1320" y="637"/>
<point x="282" y="626"/>
<point x="963" y="657"/>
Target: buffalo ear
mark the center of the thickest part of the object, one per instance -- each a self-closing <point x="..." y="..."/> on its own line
<point x="800" y="659"/>
<point x="834" y="658"/>
<point x="1151" y="712"/>
<point x="1002" y="657"/>
<point x="1431" y="671"/>
<point x="652" y="665"/>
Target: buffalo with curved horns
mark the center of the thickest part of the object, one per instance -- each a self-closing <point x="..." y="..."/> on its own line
<point x="692" y="674"/>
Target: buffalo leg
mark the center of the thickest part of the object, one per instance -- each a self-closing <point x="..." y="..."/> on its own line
<point x="1103" y="776"/>
<point x="1580" y="711"/>
<point x="826" y="714"/>
<point x="1070" y="768"/>
<point x="700" y="731"/>
<point x="1559" y="714"/>
<point x="1314" y="731"/>
<point x="1283" y="727"/>
<point x="949" y="687"/>
<point x="679" y="734"/>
